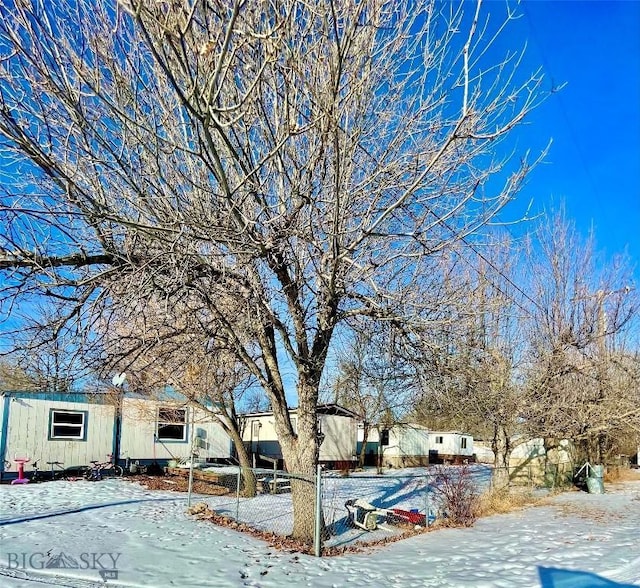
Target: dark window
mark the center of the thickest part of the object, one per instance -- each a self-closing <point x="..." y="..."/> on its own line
<point x="439" y="440"/>
<point x="67" y="424"/>
<point x="384" y="437"/>
<point x="463" y="443"/>
<point x="172" y="424"/>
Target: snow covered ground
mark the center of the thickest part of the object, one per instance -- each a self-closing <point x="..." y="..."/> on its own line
<point x="98" y="529"/>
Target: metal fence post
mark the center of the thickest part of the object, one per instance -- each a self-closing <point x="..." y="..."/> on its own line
<point x="317" y="532"/>
<point x="426" y="502"/>
<point x="190" y="485"/>
<point x="238" y="494"/>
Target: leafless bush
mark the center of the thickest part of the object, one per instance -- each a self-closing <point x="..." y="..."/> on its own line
<point x="458" y="496"/>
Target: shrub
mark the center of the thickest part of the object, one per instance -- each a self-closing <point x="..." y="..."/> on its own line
<point x="456" y="491"/>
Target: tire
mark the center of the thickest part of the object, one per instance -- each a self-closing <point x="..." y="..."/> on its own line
<point x="117" y="471"/>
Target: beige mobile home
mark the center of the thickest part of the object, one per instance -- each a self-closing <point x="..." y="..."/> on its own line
<point x="165" y="430"/>
<point x="337" y="430"/>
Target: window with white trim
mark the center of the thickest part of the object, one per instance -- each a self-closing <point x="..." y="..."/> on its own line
<point x="172" y="424"/>
<point x="439" y="440"/>
<point x="67" y="424"/>
<point x="463" y="443"/>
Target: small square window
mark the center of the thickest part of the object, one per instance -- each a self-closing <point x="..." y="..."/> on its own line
<point x="172" y="424"/>
<point x="439" y="440"/>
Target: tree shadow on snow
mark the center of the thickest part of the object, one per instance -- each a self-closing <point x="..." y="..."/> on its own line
<point x="47" y="515"/>
<point x="555" y="578"/>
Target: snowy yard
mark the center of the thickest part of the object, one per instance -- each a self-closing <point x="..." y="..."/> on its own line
<point x="577" y="540"/>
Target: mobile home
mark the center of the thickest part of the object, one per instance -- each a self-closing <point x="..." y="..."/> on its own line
<point x="76" y="428"/>
<point x="401" y="445"/>
<point x="164" y="430"/>
<point x="337" y="430"/>
<point x="44" y="427"/>
<point x="410" y="445"/>
<point x="450" y="447"/>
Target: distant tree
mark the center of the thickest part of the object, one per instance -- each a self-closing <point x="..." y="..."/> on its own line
<point x="14" y="378"/>
<point x="306" y="159"/>
<point x="582" y="384"/>
<point x="374" y="381"/>
<point x="46" y="355"/>
<point x="161" y="349"/>
<point x="470" y="380"/>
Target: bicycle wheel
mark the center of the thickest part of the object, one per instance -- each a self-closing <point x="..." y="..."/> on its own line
<point x="117" y="471"/>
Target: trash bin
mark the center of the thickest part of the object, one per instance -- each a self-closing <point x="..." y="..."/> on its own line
<point x="595" y="479"/>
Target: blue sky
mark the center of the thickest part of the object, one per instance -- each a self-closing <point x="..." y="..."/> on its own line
<point x="594" y="121"/>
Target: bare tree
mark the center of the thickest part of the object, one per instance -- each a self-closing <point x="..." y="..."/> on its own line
<point x="13" y="377"/>
<point x="46" y="353"/>
<point x="470" y="380"/>
<point x="373" y="380"/>
<point x="161" y="348"/>
<point x="581" y="382"/>
<point x="306" y="159"/>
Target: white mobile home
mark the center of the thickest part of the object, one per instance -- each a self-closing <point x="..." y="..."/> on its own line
<point x="410" y="445"/>
<point x="337" y="429"/>
<point x="402" y="445"/>
<point x="450" y="446"/>
<point x="43" y="427"/>
<point x="76" y="428"/>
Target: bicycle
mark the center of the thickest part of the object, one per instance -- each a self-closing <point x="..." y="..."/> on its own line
<point x="100" y="469"/>
<point x="36" y="474"/>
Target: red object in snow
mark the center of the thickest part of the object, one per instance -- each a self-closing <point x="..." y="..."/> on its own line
<point x="415" y="518"/>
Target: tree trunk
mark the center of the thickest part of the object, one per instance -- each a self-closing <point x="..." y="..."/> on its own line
<point x="601" y="445"/>
<point x="363" y="450"/>
<point x="249" y="485"/>
<point x="301" y="453"/>
<point x="501" y="451"/>
<point x="301" y="458"/>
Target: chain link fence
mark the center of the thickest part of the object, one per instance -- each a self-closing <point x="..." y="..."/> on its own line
<point x="359" y="508"/>
<point x="356" y="509"/>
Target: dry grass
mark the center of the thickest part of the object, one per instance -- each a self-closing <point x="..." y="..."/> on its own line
<point x="504" y="500"/>
<point x="175" y="484"/>
<point x="618" y="474"/>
